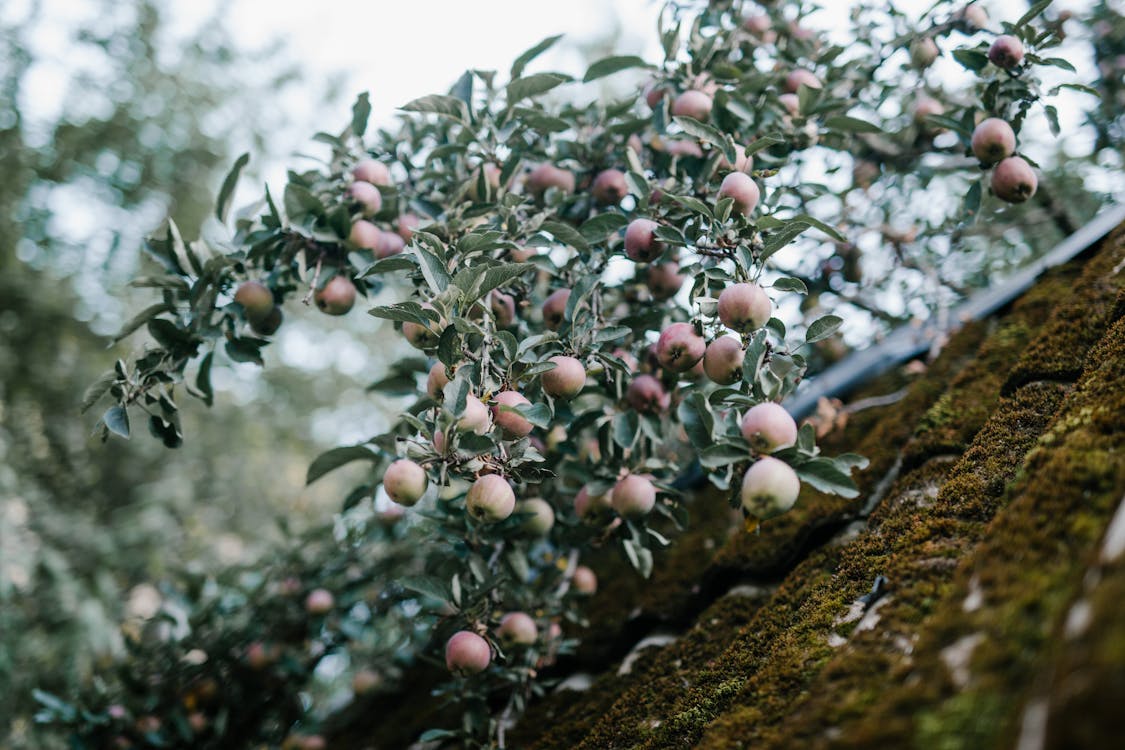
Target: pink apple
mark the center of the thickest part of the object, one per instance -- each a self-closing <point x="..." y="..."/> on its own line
<point x="610" y="187"/>
<point x="466" y="653"/>
<point x="634" y="496"/>
<point x="647" y="395"/>
<point x="566" y="380"/>
<point x="367" y="196"/>
<point x="405" y="482"/>
<point x="769" y="488"/>
<point x="744" y="307"/>
<point x="694" y="104"/>
<point x="554" y="309"/>
<point x="336" y="297"/>
<point x="679" y="347"/>
<point x="993" y="140"/>
<point x="1013" y="180"/>
<point x="517" y="628"/>
<point x="769" y="428"/>
<point x="741" y="188"/>
<point x="512" y="423"/>
<point x="490" y="499"/>
<point x="722" y="362"/>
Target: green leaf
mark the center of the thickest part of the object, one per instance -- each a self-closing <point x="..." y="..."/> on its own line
<point x="640" y="557"/>
<point x="203" y="378"/>
<point x="140" y="319"/>
<point x="437" y="734"/>
<point x="828" y="229"/>
<point x="432" y="265"/>
<point x="851" y="125"/>
<point x="610" y="65"/>
<point x="226" y="192"/>
<point x="975" y="60"/>
<point x="389" y="265"/>
<point x="337" y="457"/>
<point x="430" y="586"/>
<point x="534" y="85"/>
<point x="1052" y="119"/>
<point x="710" y="134"/>
<point x="822" y="328"/>
<point x="596" y="229"/>
<point x="402" y="312"/>
<point x="116" y="420"/>
<point x="696" y="417"/>
<point x="611" y="333"/>
<point x="764" y="142"/>
<point x="1033" y="12"/>
<point x="1058" y="62"/>
<point x="723" y="454"/>
<point x="245" y="350"/>
<point x="299" y="203"/>
<point x="626" y="428"/>
<point x="534" y="52"/>
<point x="790" y="284"/>
<point x="361" y="110"/>
<point x="97" y="389"/>
<point x="971" y="204"/>
<point x="439" y="104"/>
<point x="823" y="474"/>
<point x="566" y="234"/>
<point x="779" y="239"/>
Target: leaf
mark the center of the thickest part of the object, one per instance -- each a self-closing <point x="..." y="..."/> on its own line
<point x="971" y="59"/>
<point x="611" y="333"/>
<point x="299" y="203"/>
<point x="764" y="142"/>
<point x="534" y="85"/>
<point x="203" y="378"/>
<point x="433" y="266"/>
<point x="828" y="229"/>
<point x="437" y="734"/>
<point x="640" y="557"/>
<point x="566" y="234"/>
<point x="1058" y="62"/>
<point x="97" y="389"/>
<point x="610" y="65"/>
<point x="402" y="312"/>
<point x="777" y="240"/>
<point x="389" y="265"/>
<point x="823" y="475"/>
<point x="361" y="110"/>
<point x="1052" y="119"/>
<point x="626" y="428"/>
<point x="971" y="204"/>
<point x="532" y="53"/>
<point x="822" y="328"/>
<point x="439" y="104"/>
<point x="245" y="350"/>
<point x="337" y="457"/>
<point x="851" y="125"/>
<point x="1033" y="12"/>
<point x="790" y="284"/>
<point x="596" y="229"/>
<point x="723" y="454"/>
<point x="140" y="319"/>
<point x="430" y="586"/>
<point x="710" y="134"/>
<point x="696" y="417"/>
<point x="116" y="420"/>
<point x="226" y="192"/>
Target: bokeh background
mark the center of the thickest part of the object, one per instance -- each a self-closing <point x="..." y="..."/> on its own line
<point x="117" y="113"/>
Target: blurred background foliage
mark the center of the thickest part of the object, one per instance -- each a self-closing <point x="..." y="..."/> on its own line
<point x="150" y="122"/>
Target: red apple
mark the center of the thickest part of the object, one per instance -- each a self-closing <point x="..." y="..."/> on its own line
<point x="547" y="176"/>
<point x="679" y="347"/>
<point x="647" y="395"/>
<point x="407" y="223"/>
<point x="336" y="297"/>
<point x="610" y="187"/>
<point x="367" y="196"/>
<point x="1006" y="51"/>
<point x="593" y="508"/>
<point x="388" y="244"/>
<point x="372" y="171"/>
<point x="542" y="517"/>
<point x="801" y="77"/>
<point x="923" y="52"/>
<point x="743" y="190"/>
<point x="268" y="325"/>
<point x="694" y="104"/>
<point x="1013" y="180"/>
<point x="554" y="309"/>
<point x="503" y="307"/>
<point x="365" y="234"/>
<point x="641" y="243"/>
<point x="256" y="300"/>
<point x="664" y="280"/>
<point x="584" y="581"/>
<point x="517" y="628"/>
<point x="475" y="417"/>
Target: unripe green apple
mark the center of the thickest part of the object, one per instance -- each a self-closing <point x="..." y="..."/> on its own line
<point x="1013" y="180"/>
<point x="517" y="628"/>
<point x="584" y="581"/>
<point x="490" y="499"/>
<point x="566" y="380"/>
<point x="547" y="176"/>
<point x="512" y="423"/>
<point x="634" y="496"/>
<point x="467" y="653"/>
<point x="722" y="362"/>
<point x="268" y="325"/>
<point x="741" y="188"/>
<point x="319" y="602"/>
<point x="647" y="395"/>
<point x="993" y="140"/>
<point x="594" y="509"/>
<point x="336" y="297"/>
<point x="801" y="77"/>
<point x="769" y="488"/>
<point x="543" y="518"/>
<point x="744" y="307"/>
<point x="923" y="52"/>
<point x="694" y="104"/>
<point x="367" y="196"/>
<point x="436" y="381"/>
<point x="610" y="187"/>
<point x="664" y="280"/>
<point x="1006" y="51"/>
<point x="679" y="347"/>
<point x="769" y="428"/>
<point x="373" y="171"/>
<point x="405" y="482"/>
<point x="256" y="300"/>
<point x="554" y="309"/>
<point x="641" y="243"/>
<point x="475" y="417"/>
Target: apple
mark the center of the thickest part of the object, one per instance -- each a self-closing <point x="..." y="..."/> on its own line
<point x="679" y="347"/>
<point x="993" y="140"/>
<point x="436" y="381"/>
<point x="973" y="16"/>
<point x="792" y="104"/>
<point x="769" y="488"/>
<point x="740" y="187"/>
<point x="543" y="518"/>
<point x="366" y="681"/>
<point x="490" y="499"/>
<point x="259" y="655"/>
<point x="336" y="297"/>
<point x="475" y="417"/>
<point x="518" y="629"/>
<point x="593" y="508"/>
<point x="319" y="602"/>
<point x="547" y="176"/>
<point x="924" y="107"/>
<point x="405" y="482"/>
<point x="1006" y="51"/>
<point x="923" y="52"/>
<point x="422" y="336"/>
<point x="513" y="423"/>
<point x="492" y="178"/>
<point x="758" y="25"/>
<point x="678" y="148"/>
<point x="522" y="254"/>
<point x="744" y="307"/>
<point x="769" y="428"/>
<point x="1013" y="180"/>
<point x="256" y="300"/>
<point x="467" y="653"/>
<point x="372" y="171"/>
<point x="641" y="243"/>
<point x="664" y="280"/>
<point x="801" y="77"/>
<point x="722" y="362"/>
<point x="407" y="223"/>
<point x="566" y="380"/>
<point x="367" y="196"/>
<point x="365" y="234"/>
<point x="610" y="187"/>
<point x="647" y="395"/>
<point x="268" y="325"/>
<point x="198" y="722"/>
<point x="633" y="496"/>
<point x="584" y="581"/>
<point x="694" y="104"/>
<point x="503" y="307"/>
<point x="388" y="244"/>
<point x="654" y="94"/>
<point x="742" y="162"/>
<point x="554" y="309"/>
